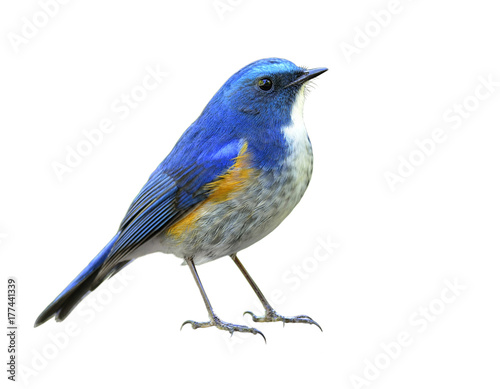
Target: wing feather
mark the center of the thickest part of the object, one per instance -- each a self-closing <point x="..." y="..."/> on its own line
<point x="172" y="191"/>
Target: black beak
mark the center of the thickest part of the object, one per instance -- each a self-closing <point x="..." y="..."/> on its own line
<point x="307" y="75"/>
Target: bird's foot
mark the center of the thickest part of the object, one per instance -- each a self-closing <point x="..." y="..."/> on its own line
<point x="271" y="315"/>
<point x="222" y="325"/>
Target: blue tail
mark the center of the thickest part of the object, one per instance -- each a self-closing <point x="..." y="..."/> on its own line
<point x="77" y="289"/>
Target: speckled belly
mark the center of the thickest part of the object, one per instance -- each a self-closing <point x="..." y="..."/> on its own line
<point x="222" y="228"/>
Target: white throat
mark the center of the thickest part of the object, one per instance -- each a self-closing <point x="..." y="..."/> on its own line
<point x="296" y="133"/>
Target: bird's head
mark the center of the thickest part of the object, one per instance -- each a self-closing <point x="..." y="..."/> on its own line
<point x="265" y="90"/>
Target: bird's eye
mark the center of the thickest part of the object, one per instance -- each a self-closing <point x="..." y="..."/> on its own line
<point x="265" y="84"/>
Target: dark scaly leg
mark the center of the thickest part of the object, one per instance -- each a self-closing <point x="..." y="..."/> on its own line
<point x="271" y="314"/>
<point x="214" y="320"/>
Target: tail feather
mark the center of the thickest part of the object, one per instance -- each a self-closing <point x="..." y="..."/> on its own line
<point x="83" y="284"/>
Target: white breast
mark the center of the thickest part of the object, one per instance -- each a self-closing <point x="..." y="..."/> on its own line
<point x="300" y="158"/>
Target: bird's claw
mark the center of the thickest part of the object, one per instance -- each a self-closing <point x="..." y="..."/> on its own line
<point x="272" y="315"/>
<point x="222" y="325"/>
<point x="197" y="324"/>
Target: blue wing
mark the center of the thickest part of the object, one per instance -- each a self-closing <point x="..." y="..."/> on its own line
<point x="172" y="191"/>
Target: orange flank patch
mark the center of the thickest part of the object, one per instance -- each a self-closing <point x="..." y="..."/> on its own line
<point x="224" y="188"/>
<point x="228" y="184"/>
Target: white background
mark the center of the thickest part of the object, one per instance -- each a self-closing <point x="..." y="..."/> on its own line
<point x="397" y="249"/>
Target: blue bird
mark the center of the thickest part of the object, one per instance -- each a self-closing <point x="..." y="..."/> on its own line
<point x="234" y="175"/>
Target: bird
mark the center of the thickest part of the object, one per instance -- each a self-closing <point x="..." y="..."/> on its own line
<point x="232" y="177"/>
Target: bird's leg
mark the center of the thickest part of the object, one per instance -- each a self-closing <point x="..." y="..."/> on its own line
<point x="214" y="320"/>
<point x="271" y="314"/>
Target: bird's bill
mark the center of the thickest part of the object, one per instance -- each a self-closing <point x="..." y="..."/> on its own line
<point x="307" y="75"/>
